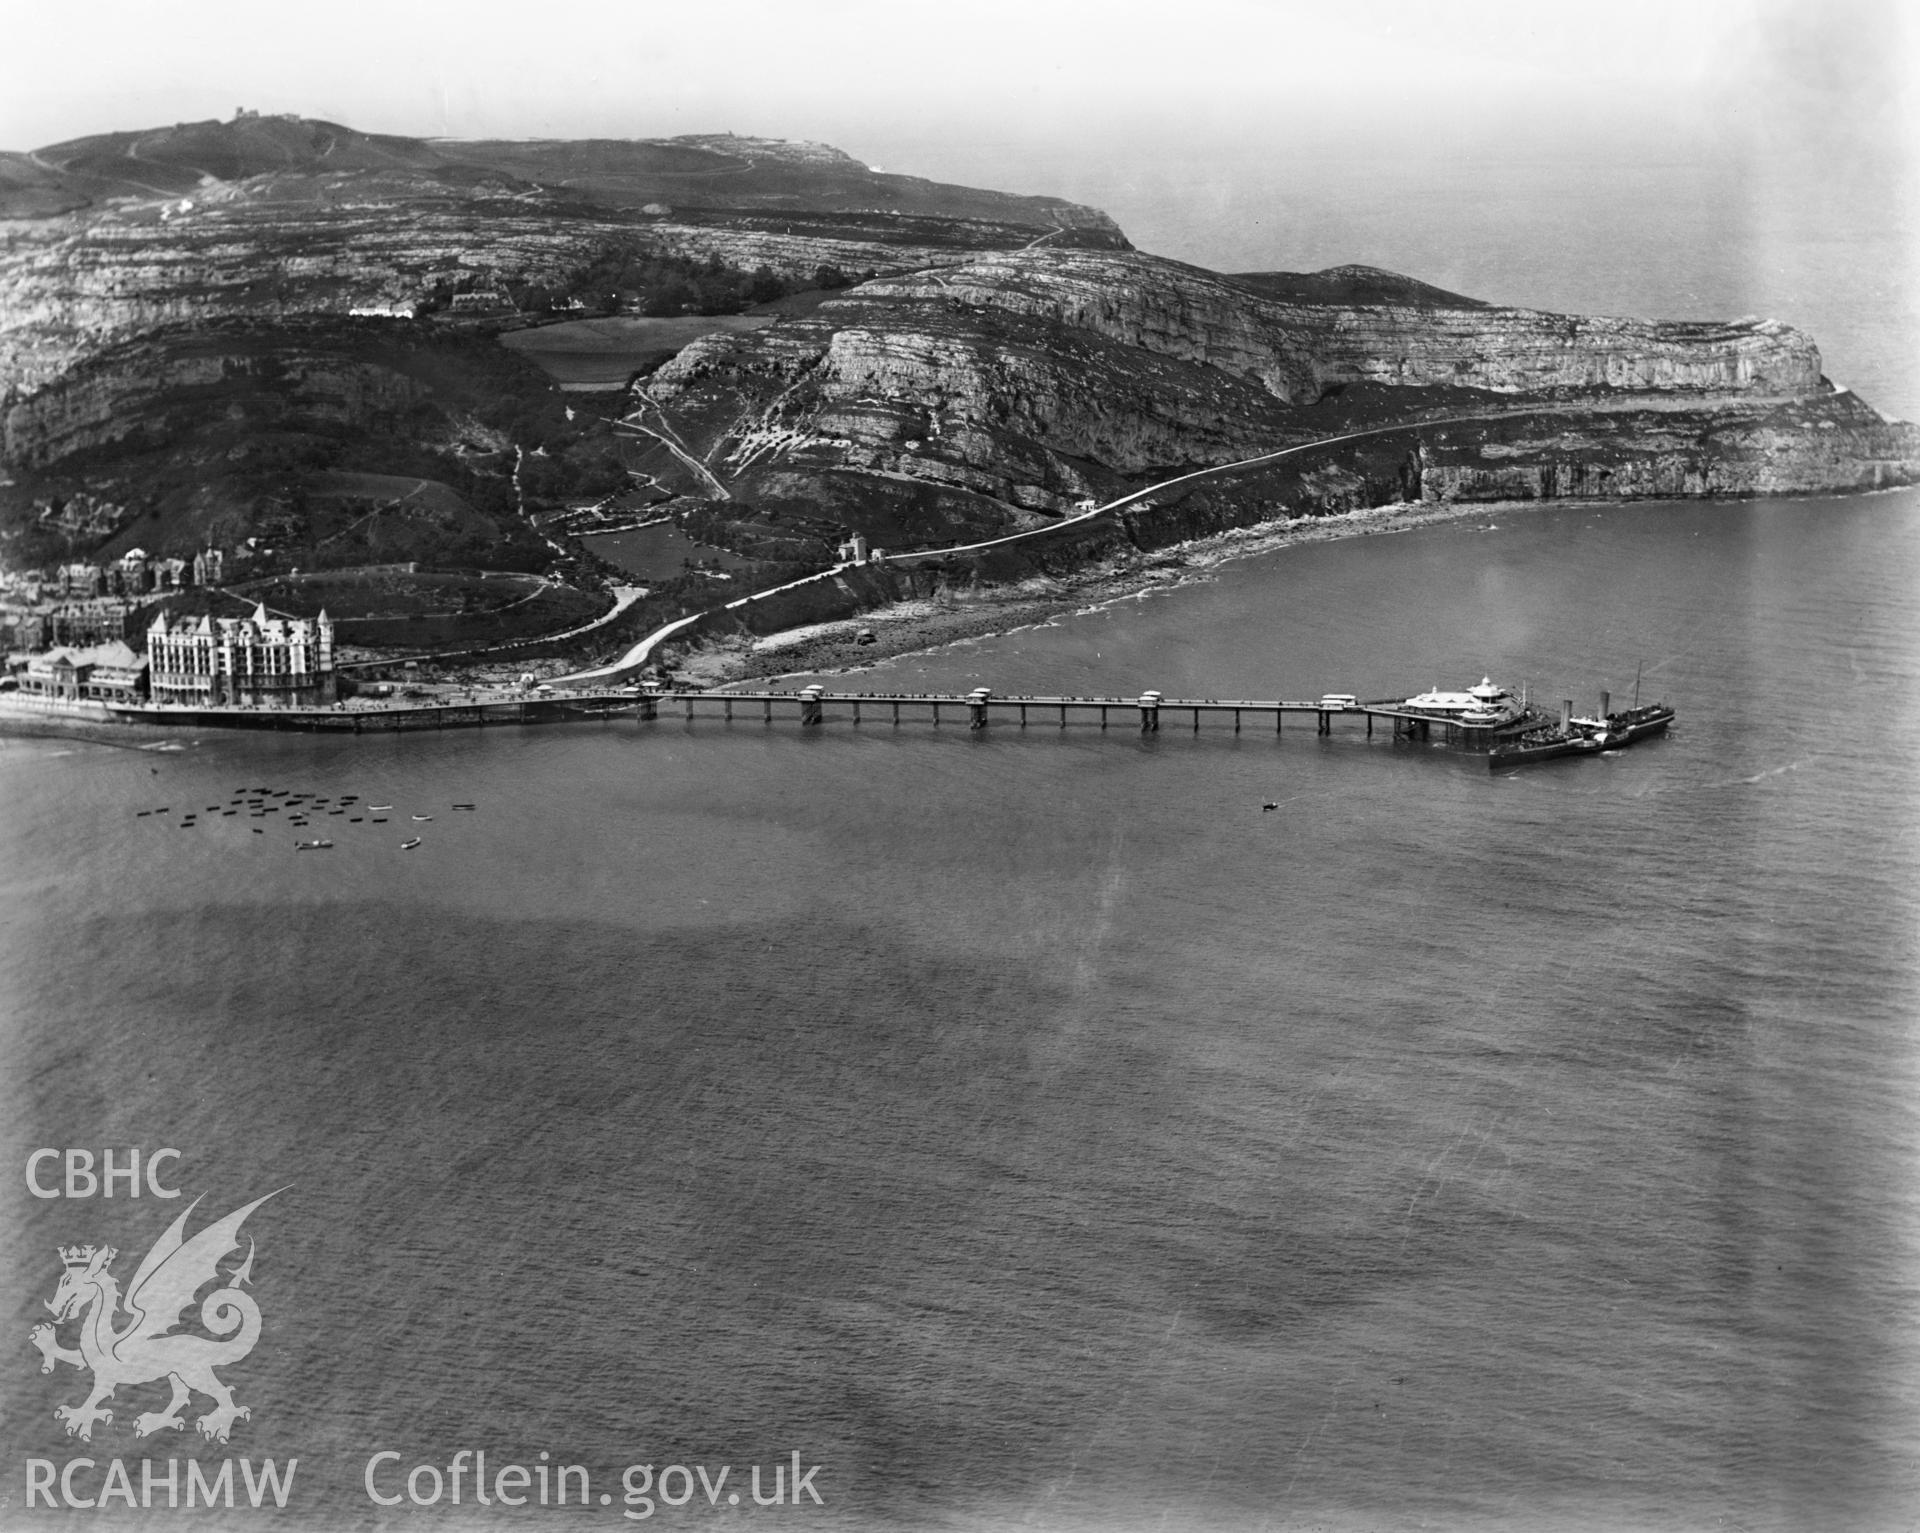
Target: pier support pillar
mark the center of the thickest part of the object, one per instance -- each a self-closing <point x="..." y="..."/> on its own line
<point x="896" y="715"/>
<point x="729" y="707"/>
<point x="766" y="704"/>
<point x="1326" y="722"/>
<point x="1150" y="713"/>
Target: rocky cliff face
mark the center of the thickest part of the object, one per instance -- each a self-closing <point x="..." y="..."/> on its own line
<point x="990" y="395"/>
<point x="271" y="217"/>
<point x="1296" y="349"/>
<point x="151" y="391"/>
<point x="1820" y="444"/>
<point x="71" y="286"/>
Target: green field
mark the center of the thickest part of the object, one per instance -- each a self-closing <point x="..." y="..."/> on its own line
<point x="396" y="490"/>
<point x="394" y="608"/>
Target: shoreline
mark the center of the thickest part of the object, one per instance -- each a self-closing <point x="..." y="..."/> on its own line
<point x="928" y="624"/>
<point x="905" y="628"/>
<point x="100" y="728"/>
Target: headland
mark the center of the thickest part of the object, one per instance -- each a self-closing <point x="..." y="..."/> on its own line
<point x="309" y="382"/>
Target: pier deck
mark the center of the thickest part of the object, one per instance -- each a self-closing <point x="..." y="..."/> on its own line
<point x="814" y="706"/>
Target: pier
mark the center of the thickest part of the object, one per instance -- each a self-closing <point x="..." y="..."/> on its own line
<point x="814" y="707"/>
<point x="1148" y="712"/>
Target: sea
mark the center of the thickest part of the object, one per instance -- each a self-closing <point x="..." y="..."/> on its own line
<point x="1031" y="1128"/>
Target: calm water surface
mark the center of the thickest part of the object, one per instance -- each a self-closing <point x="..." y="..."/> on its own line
<point x="1026" y="1127"/>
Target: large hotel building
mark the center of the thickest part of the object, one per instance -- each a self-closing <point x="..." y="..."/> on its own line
<point x="255" y="662"/>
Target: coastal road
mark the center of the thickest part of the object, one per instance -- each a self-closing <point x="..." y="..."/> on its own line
<point x="636" y="657"/>
<point x="1166" y="484"/>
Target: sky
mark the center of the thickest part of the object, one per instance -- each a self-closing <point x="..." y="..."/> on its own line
<point x="877" y="73"/>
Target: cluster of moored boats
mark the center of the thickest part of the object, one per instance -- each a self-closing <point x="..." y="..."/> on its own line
<point x="300" y="811"/>
<point x="1574" y="736"/>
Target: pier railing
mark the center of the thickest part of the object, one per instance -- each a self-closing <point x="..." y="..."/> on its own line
<point x="814" y="706"/>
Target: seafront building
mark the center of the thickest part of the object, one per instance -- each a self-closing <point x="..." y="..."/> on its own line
<point x="250" y="662"/>
<point x="105" y="673"/>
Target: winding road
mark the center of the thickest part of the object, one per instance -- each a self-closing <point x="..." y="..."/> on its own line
<point x="639" y="654"/>
<point x="636" y="657"/>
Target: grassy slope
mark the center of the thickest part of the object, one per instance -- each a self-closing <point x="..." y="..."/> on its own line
<point x="715" y="172"/>
<point x="280" y="444"/>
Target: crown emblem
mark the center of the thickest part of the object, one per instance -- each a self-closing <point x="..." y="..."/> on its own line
<point x="76" y="1256"/>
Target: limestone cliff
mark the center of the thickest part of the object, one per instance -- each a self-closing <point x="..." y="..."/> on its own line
<point x="71" y="286"/>
<point x="1296" y="349"/>
<point x="992" y="395"/>
<point x="1822" y="443"/>
<point x="152" y="390"/>
<point x="270" y="217"/>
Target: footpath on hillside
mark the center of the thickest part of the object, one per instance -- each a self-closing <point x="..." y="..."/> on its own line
<point x="641" y="653"/>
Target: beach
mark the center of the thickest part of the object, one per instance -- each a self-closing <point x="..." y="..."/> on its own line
<point x="955" y="617"/>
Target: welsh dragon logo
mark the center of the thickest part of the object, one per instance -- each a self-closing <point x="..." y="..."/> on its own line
<point x="147" y="1346"/>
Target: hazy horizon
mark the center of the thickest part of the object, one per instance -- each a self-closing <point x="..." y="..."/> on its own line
<point x="1826" y="78"/>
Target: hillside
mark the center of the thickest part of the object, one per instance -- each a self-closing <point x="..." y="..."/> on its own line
<point x="697" y="171"/>
<point x="286" y="334"/>
<point x="336" y="442"/>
